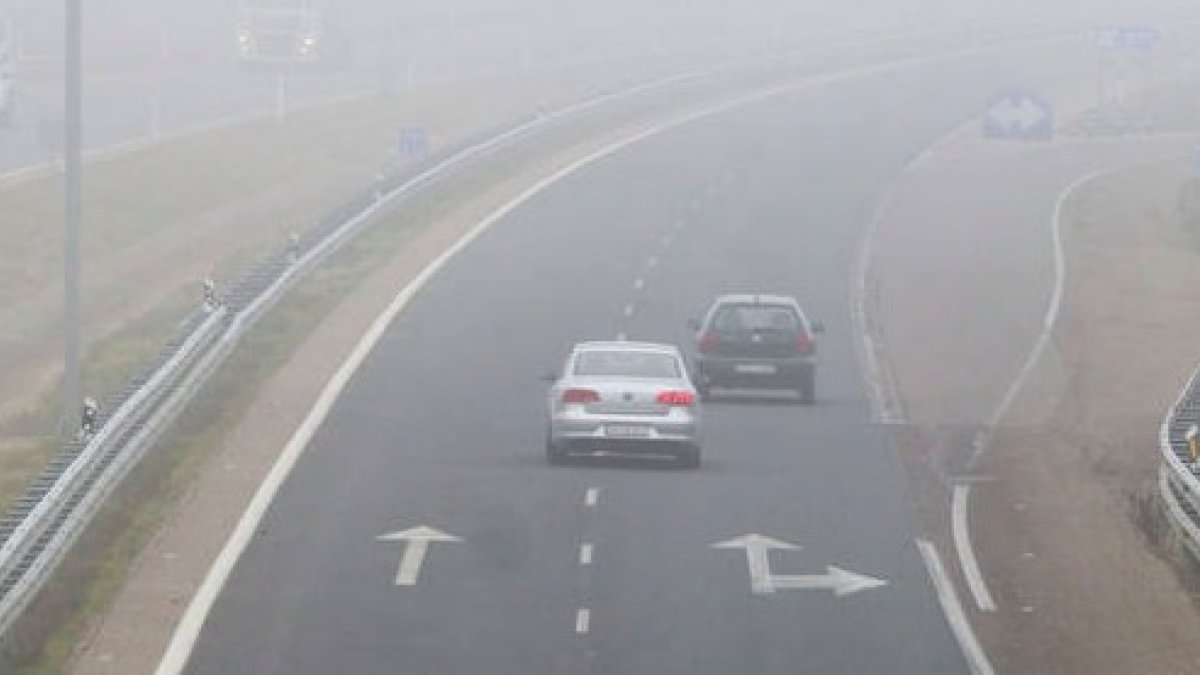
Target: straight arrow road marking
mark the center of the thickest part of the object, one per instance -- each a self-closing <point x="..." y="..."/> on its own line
<point x="757" y="546"/>
<point x="418" y="539"/>
<point x="841" y="582"/>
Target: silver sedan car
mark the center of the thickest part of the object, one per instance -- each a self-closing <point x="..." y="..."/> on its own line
<point x="624" y="399"/>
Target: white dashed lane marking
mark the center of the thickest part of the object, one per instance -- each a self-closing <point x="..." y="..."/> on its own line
<point x="585" y="554"/>
<point x="592" y="497"/>
<point x="639" y="284"/>
<point x="583" y="619"/>
<point x="628" y="311"/>
<point x="652" y="262"/>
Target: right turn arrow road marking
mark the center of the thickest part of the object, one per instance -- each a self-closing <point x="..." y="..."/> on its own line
<point x="840" y="581"/>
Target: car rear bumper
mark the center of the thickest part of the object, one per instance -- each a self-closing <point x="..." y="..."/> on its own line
<point x="612" y="433"/>
<point x="753" y="372"/>
<point x="626" y="448"/>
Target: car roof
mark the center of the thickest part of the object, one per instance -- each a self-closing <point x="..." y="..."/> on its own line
<point x="756" y="299"/>
<point x="623" y="345"/>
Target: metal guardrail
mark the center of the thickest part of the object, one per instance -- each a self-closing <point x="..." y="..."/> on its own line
<point x="1179" y="478"/>
<point x="39" y="528"/>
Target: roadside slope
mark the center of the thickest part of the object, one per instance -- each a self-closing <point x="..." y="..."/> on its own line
<point x="966" y="266"/>
<point x="1068" y="530"/>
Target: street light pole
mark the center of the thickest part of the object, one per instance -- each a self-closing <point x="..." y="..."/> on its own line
<point x="73" y="170"/>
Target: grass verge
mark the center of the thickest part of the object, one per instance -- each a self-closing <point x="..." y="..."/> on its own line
<point x="45" y="639"/>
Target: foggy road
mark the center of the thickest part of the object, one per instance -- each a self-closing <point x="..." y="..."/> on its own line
<point x="150" y="70"/>
<point x="443" y="427"/>
<point x="159" y="68"/>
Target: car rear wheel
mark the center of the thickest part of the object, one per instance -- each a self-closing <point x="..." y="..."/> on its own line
<point x="555" y="453"/>
<point x="808" y="389"/>
<point x="689" y="457"/>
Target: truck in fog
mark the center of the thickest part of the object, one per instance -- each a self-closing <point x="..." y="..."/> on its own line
<point x="283" y="32"/>
<point x="8" y="70"/>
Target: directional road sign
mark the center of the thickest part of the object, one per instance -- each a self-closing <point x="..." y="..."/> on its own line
<point x="1127" y="38"/>
<point x="414" y="141"/>
<point x="1018" y="115"/>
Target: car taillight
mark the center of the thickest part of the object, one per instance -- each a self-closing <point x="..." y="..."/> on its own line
<point x="707" y="341"/>
<point x="580" y="396"/>
<point x="804" y="343"/>
<point x="676" y="397"/>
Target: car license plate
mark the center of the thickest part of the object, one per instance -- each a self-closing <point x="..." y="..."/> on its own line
<point x="756" y="368"/>
<point x="626" y="431"/>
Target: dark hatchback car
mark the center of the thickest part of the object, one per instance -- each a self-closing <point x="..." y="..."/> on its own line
<point x="756" y="341"/>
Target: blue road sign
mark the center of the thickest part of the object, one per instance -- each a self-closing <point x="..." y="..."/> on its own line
<point x="1127" y="38"/>
<point x="414" y="141"/>
<point x="1018" y="115"/>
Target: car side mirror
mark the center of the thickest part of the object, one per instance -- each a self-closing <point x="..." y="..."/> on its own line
<point x="693" y="323"/>
<point x="818" y="327"/>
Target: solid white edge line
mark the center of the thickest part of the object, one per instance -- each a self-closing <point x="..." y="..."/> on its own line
<point x="1053" y="305"/>
<point x="583" y="620"/>
<point x="886" y="407"/>
<point x="188" y="631"/>
<point x="977" y="660"/>
<point x="961" y="532"/>
<point x="960" y="501"/>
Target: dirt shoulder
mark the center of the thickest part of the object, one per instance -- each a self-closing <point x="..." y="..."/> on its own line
<point x="1063" y="512"/>
<point x="1069" y="533"/>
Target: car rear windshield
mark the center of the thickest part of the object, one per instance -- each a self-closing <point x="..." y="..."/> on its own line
<point x="756" y="317"/>
<point x="626" y="363"/>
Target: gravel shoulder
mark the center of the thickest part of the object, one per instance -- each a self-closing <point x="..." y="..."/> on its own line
<point x="1064" y="520"/>
<point x="1070" y="530"/>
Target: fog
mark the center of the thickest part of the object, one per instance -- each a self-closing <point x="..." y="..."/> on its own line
<point x="181" y="236"/>
<point x="155" y="65"/>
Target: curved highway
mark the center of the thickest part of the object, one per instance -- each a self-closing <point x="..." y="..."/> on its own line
<point x="611" y="568"/>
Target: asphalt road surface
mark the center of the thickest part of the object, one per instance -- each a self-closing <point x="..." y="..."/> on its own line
<point x="609" y="568"/>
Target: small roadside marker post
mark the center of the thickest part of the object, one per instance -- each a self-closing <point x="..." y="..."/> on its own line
<point x="1193" y="441"/>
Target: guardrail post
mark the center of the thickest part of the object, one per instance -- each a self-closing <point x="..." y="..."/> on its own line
<point x="209" y="290"/>
<point x="1193" y="441"/>
<point x="293" y="248"/>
